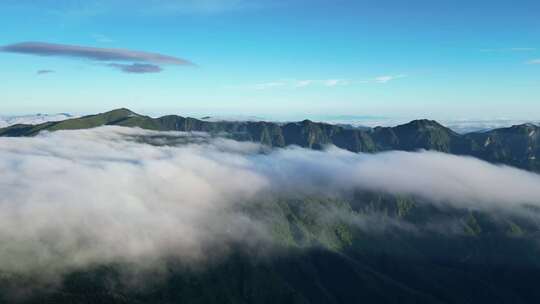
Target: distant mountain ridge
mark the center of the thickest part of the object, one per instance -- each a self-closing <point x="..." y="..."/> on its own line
<point x="516" y="146"/>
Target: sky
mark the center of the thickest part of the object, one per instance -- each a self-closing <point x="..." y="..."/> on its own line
<point x="441" y="59"/>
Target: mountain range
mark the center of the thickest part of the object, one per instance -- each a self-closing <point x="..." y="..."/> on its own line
<point x="427" y="252"/>
<point x="517" y="146"/>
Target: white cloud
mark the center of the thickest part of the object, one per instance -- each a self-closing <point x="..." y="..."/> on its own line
<point x="335" y="82"/>
<point x="514" y="49"/>
<point x="36" y="119"/>
<point x="269" y="85"/>
<point x="294" y="83"/>
<point x="388" y="78"/>
<point x="329" y="83"/>
<point x="102" y="38"/>
<point x="535" y="61"/>
<point x="76" y="198"/>
<point x="478" y="125"/>
<point x="523" y="49"/>
<point x="304" y="83"/>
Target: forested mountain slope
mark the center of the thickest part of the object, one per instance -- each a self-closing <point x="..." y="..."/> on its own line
<point x="517" y="146"/>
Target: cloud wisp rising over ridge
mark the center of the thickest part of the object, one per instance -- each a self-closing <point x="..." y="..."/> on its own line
<point x="76" y="198"/>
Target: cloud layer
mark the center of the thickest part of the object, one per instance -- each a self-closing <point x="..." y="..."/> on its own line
<point x="76" y="198"/>
<point x="35" y="119"/>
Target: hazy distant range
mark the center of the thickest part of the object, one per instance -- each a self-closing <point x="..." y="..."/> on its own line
<point x="353" y="121"/>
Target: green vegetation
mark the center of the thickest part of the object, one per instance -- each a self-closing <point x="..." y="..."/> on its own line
<point x="324" y="250"/>
<point x="366" y="248"/>
<point x="517" y="146"/>
<point x="471" y="226"/>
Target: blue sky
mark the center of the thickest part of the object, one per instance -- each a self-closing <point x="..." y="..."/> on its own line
<point x="435" y="59"/>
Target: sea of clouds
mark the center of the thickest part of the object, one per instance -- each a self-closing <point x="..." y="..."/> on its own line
<point x="35" y="119"/>
<point x="72" y="199"/>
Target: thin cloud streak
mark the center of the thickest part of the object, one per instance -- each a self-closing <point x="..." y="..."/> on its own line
<point x="90" y="9"/>
<point x="523" y="49"/>
<point x="514" y="49"/>
<point x="136" y="68"/>
<point x="388" y="78"/>
<point x="329" y="83"/>
<point x="43" y="72"/>
<point x="102" y="38"/>
<point x="91" y="53"/>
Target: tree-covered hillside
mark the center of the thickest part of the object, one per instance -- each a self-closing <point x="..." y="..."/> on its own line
<point x="517" y="146"/>
<point x="366" y="248"/>
<point x="332" y="247"/>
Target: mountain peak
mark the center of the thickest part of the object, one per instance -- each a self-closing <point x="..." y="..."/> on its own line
<point x="122" y="112"/>
<point x="425" y="122"/>
<point x="422" y="124"/>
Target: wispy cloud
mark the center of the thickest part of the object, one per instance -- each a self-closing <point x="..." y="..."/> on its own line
<point x="88" y="9"/>
<point x="324" y="82"/>
<point x="388" y="78"/>
<point x="514" y="49"/>
<point x="534" y="61"/>
<point x="293" y="83"/>
<point x="523" y="49"/>
<point x="102" y="38"/>
<point x="269" y="85"/>
<point x="329" y="83"/>
<point x="43" y="72"/>
<point x="335" y="82"/>
<point x="136" y="68"/>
